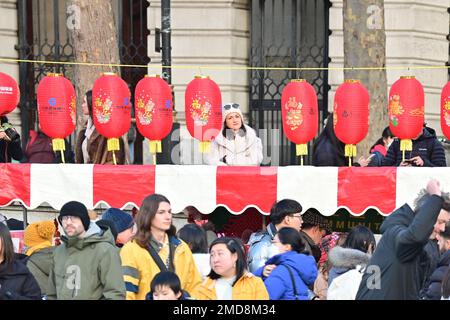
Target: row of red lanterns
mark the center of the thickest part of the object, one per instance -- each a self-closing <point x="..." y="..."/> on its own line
<point x="351" y="113"/>
<point x="154" y="105"/>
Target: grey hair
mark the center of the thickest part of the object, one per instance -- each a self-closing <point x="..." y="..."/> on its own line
<point x="423" y="196"/>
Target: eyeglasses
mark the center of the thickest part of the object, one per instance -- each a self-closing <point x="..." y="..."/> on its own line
<point x="231" y="105"/>
<point x="66" y="218"/>
<point x="297" y="216"/>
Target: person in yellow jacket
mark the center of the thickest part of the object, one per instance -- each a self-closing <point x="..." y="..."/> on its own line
<point x="155" y="248"/>
<point x="228" y="279"/>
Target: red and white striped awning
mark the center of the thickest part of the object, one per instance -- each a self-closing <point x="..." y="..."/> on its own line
<point x="206" y="187"/>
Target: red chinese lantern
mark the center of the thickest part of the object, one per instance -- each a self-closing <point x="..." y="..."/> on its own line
<point x="351" y="115"/>
<point x="56" y="104"/>
<point x="445" y="110"/>
<point x="300" y="114"/>
<point x="9" y="94"/>
<point x="153" y="110"/>
<point x="203" y="106"/>
<point x="406" y="111"/>
<point x="111" y="109"/>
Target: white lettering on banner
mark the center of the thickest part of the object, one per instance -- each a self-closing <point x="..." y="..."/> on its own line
<point x="73" y="281"/>
<point x="374" y="280"/>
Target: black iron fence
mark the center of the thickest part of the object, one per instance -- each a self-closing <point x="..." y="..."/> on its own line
<point x="286" y="33"/>
<point x="43" y="36"/>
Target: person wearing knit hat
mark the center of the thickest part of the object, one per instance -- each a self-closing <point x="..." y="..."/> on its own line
<point x="76" y="212"/>
<point x="86" y="266"/>
<point x="237" y="144"/>
<point x="314" y="228"/>
<point x="38" y="235"/>
<point x="38" y="238"/>
<point x="124" y="224"/>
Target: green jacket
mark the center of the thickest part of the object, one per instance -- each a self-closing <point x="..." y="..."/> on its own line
<point x="88" y="268"/>
<point x="40" y="263"/>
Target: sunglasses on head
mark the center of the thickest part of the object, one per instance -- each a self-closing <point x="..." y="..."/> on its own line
<point x="231" y="105"/>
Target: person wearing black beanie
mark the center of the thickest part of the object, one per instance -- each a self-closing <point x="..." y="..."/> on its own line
<point x="87" y="257"/>
<point x="74" y="209"/>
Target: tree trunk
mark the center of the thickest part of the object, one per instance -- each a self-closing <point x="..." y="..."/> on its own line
<point x="365" y="46"/>
<point x="93" y="34"/>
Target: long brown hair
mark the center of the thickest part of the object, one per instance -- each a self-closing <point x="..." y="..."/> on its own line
<point x="145" y="216"/>
<point x="7" y="247"/>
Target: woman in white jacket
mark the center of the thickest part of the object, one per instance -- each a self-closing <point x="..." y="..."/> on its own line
<point x="237" y="144"/>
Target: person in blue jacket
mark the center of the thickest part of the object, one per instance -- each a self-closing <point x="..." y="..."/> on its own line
<point x="288" y="275"/>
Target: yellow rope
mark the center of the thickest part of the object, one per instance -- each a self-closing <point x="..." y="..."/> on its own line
<point x="226" y="67"/>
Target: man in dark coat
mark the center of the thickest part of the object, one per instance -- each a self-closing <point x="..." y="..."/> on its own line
<point x="427" y="152"/>
<point x="394" y="272"/>
<point x="434" y="291"/>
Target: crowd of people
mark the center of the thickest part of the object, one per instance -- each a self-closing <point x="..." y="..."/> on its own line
<point x="296" y="257"/>
<point x="236" y="144"/>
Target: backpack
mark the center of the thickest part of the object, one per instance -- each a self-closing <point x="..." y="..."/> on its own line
<point x="346" y="286"/>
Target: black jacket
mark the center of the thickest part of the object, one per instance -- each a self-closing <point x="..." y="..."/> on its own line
<point x="429" y="265"/>
<point x="311" y="248"/>
<point x="11" y="149"/>
<point x="17" y="283"/>
<point x="426" y="146"/>
<point x="327" y="149"/>
<point x="397" y="260"/>
<point x="434" y="291"/>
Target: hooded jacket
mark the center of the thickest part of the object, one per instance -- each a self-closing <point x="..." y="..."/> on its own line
<point x="87" y="268"/>
<point x="241" y="149"/>
<point x="17" y="283"/>
<point x="40" y="263"/>
<point x="139" y="268"/>
<point x="261" y="248"/>
<point x="279" y="283"/>
<point x="346" y="273"/>
<point x="426" y="146"/>
<point x="345" y="259"/>
<point x="248" y="287"/>
<point x="434" y="291"/>
<point x="394" y="272"/>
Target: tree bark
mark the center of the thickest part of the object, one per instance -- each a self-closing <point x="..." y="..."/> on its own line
<point x="365" y="46"/>
<point x="93" y="34"/>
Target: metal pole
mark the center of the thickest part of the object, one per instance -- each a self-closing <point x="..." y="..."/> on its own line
<point x="23" y="68"/>
<point x="25" y="217"/>
<point x="166" y="40"/>
<point x="56" y="33"/>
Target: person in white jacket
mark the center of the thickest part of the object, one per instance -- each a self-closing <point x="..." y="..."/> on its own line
<point x="237" y="144"/>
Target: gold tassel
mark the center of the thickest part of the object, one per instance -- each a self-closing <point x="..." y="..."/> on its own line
<point x="406" y="145"/>
<point x="155" y="146"/>
<point x="59" y="145"/>
<point x="302" y="149"/>
<point x="113" y="145"/>
<point x="205" y="146"/>
<point x="350" y="150"/>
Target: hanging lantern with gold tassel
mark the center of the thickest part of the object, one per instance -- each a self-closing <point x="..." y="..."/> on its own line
<point x="154" y="111"/>
<point x="111" y="109"/>
<point x="351" y="115"/>
<point x="299" y="111"/>
<point x="406" y="111"/>
<point x="203" y="107"/>
<point x="56" y="104"/>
